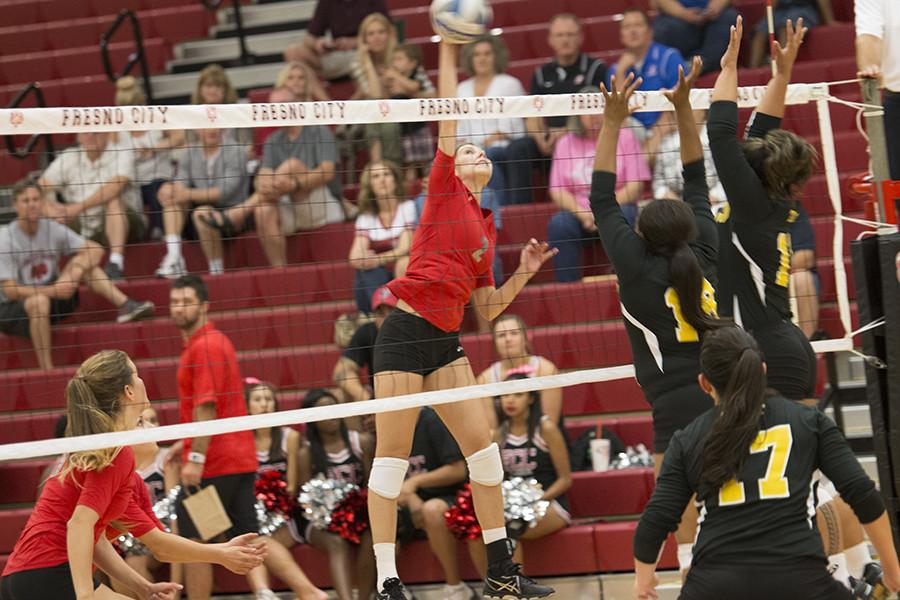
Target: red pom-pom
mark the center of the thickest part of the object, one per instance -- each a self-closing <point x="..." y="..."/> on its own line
<point x="350" y="518"/>
<point x="460" y="518"/>
<point x="271" y="489"/>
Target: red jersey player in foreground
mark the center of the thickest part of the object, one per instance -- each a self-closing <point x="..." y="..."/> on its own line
<point x="418" y="349"/>
<point x="62" y="540"/>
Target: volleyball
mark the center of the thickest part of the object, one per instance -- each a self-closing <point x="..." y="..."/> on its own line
<point x="460" y="21"/>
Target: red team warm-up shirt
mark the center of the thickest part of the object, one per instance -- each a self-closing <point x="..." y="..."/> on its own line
<point x="208" y="372"/>
<point x="452" y="250"/>
<point x="109" y="492"/>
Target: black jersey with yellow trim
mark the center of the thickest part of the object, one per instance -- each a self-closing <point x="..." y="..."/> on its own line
<point x="766" y="515"/>
<point x="665" y="347"/>
<point x="754" y="229"/>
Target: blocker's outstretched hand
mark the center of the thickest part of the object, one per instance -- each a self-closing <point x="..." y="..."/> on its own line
<point x="729" y="59"/>
<point x="680" y="95"/>
<point x="616" y="109"/>
<point x="785" y="56"/>
<point x="535" y="254"/>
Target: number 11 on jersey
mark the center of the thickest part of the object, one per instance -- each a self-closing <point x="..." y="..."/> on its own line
<point x="684" y="331"/>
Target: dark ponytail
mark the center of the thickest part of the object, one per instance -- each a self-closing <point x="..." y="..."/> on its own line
<point x="668" y="226"/>
<point x="731" y="361"/>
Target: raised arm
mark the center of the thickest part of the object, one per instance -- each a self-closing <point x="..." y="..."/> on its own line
<point x="772" y="102"/>
<point x="448" y="80"/>
<point x="727" y="81"/>
<point x="680" y="97"/>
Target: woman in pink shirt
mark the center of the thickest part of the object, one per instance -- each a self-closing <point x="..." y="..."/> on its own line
<point x="570" y="185"/>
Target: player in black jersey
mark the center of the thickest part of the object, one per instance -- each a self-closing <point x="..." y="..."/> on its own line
<point x="339" y="453"/>
<point x="750" y="461"/>
<point x="277" y="449"/>
<point x="762" y="177"/>
<point x="666" y="272"/>
<point x="532" y="445"/>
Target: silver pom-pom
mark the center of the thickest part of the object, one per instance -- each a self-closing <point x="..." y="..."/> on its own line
<point x="633" y="458"/>
<point x="269" y="521"/>
<point x="164" y="511"/>
<point x="320" y="496"/>
<point x="522" y="500"/>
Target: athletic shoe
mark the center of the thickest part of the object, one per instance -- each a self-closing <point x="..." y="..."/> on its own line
<point x="266" y="595"/>
<point x="113" y="271"/>
<point x="506" y="582"/>
<point x="171" y="267"/>
<point x="394" y="590"/>
<point x="133" y="310"/>
<point x="459" y="592"/>
<point x="871" y="586"/>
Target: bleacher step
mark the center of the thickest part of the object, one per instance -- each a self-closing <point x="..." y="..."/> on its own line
<point x="200" y="52"/>
<point x="177" y="87"/>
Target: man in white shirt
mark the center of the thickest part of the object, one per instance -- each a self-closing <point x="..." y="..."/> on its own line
<point x="95" y="178"/>
<point x="33" y="291"/>
<point x="878" y="55"/>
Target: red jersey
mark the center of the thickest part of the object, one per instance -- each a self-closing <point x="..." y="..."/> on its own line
<point x="108" y="492"/>
<point x="208" y="373"/>
<point x="452" y="250"/>
<point x="139" y="517"/>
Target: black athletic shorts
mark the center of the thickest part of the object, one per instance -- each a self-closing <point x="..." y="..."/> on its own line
<point x="411" y="344"/>
<point x="237" y="495"/>
<point x="40" y="584"/>
<point x="676" y="409"/>
<point x="802" y="580"/>
<point x="790" y="360"/>
<point x="14" y="319"/>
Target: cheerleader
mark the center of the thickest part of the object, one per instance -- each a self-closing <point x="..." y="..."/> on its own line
<point x="532" y="446"/>
<point x="338" y="453"/>
<point x="418" y="348"/>
<point x="277" y="449"/>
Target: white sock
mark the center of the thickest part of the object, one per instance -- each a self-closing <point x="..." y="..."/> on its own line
<point x="385" y="562"/>
<point x="173" y="245"/>
<point x="837" y="566"/>
<point x="216" y="266"/>
<point x="857" y="558"/>
<point x="492" y="535"/>
<point x="685" y="556"/>
<point x="117" y="259"/>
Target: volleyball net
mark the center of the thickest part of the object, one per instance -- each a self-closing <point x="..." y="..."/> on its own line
<point x="290" y="323"/>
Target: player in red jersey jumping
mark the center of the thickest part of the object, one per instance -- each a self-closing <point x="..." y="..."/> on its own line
<point x="418" y="349"/>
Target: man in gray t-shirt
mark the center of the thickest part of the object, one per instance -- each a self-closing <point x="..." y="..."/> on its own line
<point x="33" y="291"/>
<point x="296" y="189"/>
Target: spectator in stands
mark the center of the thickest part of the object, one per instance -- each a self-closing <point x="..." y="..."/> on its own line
<point x="101" y="202"/>
<point x="513" y="347"/>
<point x="214" y="87"/>
<point x="211" y="177"/>
<point x="695" y="27"/>
<point x="210" y="387"/>
<point x="570" y="183"/>
<point x="436" y="473"/>
<point x="384" y="228"/>
<point x="569" y="71"/>
<point x="668" y="181"/>
<point x="374" y="60"/>
<point x="296" y="189"/>
<point x="330" y="44"/>
<point x="333" y="450"/>
<point x="805" y="283"/>
<point x="358" y="354"/>
<point x="813" y="13"/>
<point x="485" y="60"/>
<point x="532" y="445"/>
<point x="154" y="161"/>
<point x="407" y="78"/>
<point x="656" y="63"/>
<point x="878" y="56"/>
<point x="277" y="449"/>
<point x="35" y="292"/>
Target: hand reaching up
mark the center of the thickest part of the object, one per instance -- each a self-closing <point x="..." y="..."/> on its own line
<point x="680" y="95"/>
<point x="785" y="56"/>
<point x="729" y="59"/>
<point x="617" y="109"/>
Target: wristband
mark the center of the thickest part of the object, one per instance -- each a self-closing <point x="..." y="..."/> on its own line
<point x="196" y="457"/>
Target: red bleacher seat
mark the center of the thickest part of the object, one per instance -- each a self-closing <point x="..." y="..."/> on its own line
<point x="178" y="23"/>
<point x="621" y="492"/>
<point x="64" y="10"/>
<point x="19" y="480"/>
<point x="612" y="542"/>
<point x="11" y="523"/>
<point x="20" y="12"/>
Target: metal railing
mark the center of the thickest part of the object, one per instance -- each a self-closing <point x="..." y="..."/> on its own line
<point x="23" y="152"/>
<point x="246" y="58"/>
<point x="138" y="57"/>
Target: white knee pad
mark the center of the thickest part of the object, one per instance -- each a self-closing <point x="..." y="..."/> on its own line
<point x="387" y="476"/>
<point x="485" y="466"/>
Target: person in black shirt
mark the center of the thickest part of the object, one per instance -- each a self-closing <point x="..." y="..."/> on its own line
<point x="436" y="473"/>
<point x="762" y="177"/>
<point x="568" y="72"/>
<point x="751" y="462"/>
<point x="666" y="271"/>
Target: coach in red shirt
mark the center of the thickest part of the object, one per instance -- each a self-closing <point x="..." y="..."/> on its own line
<point x="209" y="387"/>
